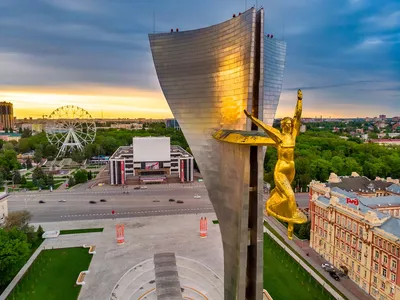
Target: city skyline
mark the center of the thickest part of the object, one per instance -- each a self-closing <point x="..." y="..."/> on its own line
<point x="95" y="54"/>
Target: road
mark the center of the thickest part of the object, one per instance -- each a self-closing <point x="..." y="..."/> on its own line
<point x="153" y="201"/>
<point x="150" y="202"/>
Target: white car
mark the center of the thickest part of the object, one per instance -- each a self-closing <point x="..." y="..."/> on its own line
<point x="62" y="200"/>
<point x="143" y="187"/>
<point x="197" y="197"/>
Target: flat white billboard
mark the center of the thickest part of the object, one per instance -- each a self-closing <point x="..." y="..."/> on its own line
<point x="151" y="149"/>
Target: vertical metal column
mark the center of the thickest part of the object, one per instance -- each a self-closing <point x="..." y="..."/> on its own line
<point x="255" y="247"/>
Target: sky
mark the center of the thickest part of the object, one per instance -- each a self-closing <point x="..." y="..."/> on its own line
<point x="344" y="54"/>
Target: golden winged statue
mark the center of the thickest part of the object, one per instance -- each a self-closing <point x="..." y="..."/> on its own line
<point x="281" y="203"/>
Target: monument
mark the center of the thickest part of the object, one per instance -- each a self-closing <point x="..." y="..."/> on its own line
<point x="208" y="77"/>
<point x="281" y="203"/>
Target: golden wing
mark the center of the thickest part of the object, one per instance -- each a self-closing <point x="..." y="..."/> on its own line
<point x="250" y="138"/>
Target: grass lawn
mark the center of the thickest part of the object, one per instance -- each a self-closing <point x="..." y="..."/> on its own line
<point x="53" y="275"/>
<point x="305" y="261"/>
<point x="87" y="230"/>
<point x="284" y="278"/>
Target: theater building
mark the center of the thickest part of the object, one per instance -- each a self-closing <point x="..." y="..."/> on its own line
<point x="150" y="160"/>
<point x="359" y="233"/>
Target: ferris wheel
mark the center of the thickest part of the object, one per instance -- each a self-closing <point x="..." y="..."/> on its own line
<point x="70" y="128"/>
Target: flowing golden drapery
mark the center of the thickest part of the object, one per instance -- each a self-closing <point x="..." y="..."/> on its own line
<point x="281" y="203"/>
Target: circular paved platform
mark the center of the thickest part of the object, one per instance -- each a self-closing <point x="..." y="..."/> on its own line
<point x="198" y="282"/>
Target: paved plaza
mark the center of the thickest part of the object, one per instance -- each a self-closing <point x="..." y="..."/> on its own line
<point x="127" y="271"/>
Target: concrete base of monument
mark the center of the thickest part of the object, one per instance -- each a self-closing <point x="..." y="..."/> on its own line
<point x="197" y="281"/>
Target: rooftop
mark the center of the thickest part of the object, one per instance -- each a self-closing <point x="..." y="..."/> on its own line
<point x="392" y="226"/>
<point x="359" y="184"/>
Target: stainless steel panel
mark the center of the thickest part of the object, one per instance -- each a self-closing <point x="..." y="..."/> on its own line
<point x="207" y="77"/>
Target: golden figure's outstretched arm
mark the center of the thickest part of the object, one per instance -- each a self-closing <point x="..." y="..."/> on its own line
<point x="297" y="113"/>
<point x="271" y="131"/>
<point x="250" y="138"/>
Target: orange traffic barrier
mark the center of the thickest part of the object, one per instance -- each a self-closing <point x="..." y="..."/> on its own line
<point x="203" y="227"/>
<point x="120" y="228"/>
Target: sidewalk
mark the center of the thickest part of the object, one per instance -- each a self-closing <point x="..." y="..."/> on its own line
<point x="345" y="286"/>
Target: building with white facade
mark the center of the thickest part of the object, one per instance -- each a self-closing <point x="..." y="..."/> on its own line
<point x="150" y="160"/>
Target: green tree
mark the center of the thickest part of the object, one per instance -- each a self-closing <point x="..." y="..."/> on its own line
<point x="26" y="133"/>
<point x="90" y="175"/>
<point x="23" y="180"/>
<point x="81" y="176"/>
<point x="39" y="232"/>
<point x="37" y="174"/>
<point x="50" y="151"/>
<point x="41" y="183"/>
<point x="50" y="180"/>
<point x="71" y="181"/>
<point x="37" y="157"/>
<point x="28" y="163"/>
<point x="14" y="252"/>
<point x="16" y="177"/>
<point x="77" y="156"/>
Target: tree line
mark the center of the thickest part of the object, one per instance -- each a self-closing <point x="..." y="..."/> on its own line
<point x="18" y="241"/>
<point x="319" y="153"/>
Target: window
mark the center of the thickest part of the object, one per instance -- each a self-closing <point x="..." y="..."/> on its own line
<point x="360" y="231"/>
<point x="376" y="254"/>
<point x="359" y="245"/>
<point x="343" y="233"/>
<point x="383" y="285"/>
<point x="354" y="241"/>
<point x="338" y="219"/>
<point x="393" y="277"/>
<point x="384" y="272"/>
<point x="391" y="290"/>
<point x="375" y="279"/>
<point x="385" y="259"/>
<point x="358" y="268"/>
<point x="394" y="264"/>
<point x="348" y="224"/>
<point x="354" y="227"/>
<point x="343" y="221"/>
<point x="348" y="249"/>
<point x="365" y="273"/>
<point x="376" y="267"/>
<point x="359" y="256"/>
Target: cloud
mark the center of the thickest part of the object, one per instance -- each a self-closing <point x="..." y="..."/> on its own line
<point x="385" y="20"/>
<point x="336" y="49"/>
<point x="86" y="6"/>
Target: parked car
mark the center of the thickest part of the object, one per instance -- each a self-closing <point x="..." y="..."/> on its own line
<point x="155" y="200"/>
<point x="143" y="187"/>
<point x="42" y="201"/>
<point x="103" y="200"/>
<point x="136" y="188"/>
<point x="197" y="197"/>
<point x="334" y="275"/>
<point x="179" y="201"/>
<point x="171" y="200"/>
<point x="92" y="202"/>
<point x="62" y="200"/>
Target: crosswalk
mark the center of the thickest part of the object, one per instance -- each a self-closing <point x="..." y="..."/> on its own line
<point x="143" y="212"/>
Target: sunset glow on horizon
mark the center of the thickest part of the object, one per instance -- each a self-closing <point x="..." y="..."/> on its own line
<point x="122" y="102"/>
